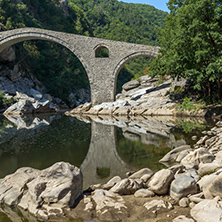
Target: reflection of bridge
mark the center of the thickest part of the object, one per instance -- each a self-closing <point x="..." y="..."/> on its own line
<point x="102" y="72"/>
<point x="102" y="156"/>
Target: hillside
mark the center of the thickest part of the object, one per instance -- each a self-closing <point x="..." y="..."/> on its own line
<point x="54" y="65"/>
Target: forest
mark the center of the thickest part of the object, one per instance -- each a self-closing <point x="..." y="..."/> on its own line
<point x="56" y="67"/>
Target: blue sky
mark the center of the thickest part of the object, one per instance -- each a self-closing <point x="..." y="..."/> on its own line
<point x="159" y="4"/>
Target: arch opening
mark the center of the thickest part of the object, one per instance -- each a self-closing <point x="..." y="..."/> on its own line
<point x="130" y="68"/>
<point x="54" y="65"/>
<point x="102" y="52"/>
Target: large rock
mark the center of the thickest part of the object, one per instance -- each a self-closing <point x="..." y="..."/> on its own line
<point x="207" y="168"/>
<point x="197" y="156"/>
<point x="207" y="210"/>
<point x="35" y="94"/>
<point x="158" y="204"/>
<point x="43" y="193"/>
<point x="143" y="193"/>
<point x="126" y="186"/>
<point x="109" y="206"/>
<point x="141" y="173"/>
<point x="173" y="154"/>
<point x="215" y="187"/>
<point x="182" y="218"/>
<point x="28" y="105"/>
<point x="206" y="181"/>
<point x="160" y="182"/>
<point x="130" y="85"/>
<point x="182" y="186"/>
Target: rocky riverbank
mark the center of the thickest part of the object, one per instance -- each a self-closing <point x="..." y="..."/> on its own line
<point x="24" y="94"/>
<point x="190" y="187"/>
<point x="188" y="190"/>
<point x="147" y="97"/>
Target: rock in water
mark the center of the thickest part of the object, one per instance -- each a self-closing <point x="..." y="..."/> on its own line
<point x="43" y="193"/>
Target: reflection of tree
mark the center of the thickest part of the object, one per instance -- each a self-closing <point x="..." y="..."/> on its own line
<point x="3" y="124"/>
<point x="141" y="155"/>
<point x="65" y="139"/>
<point x="189" y="126"/>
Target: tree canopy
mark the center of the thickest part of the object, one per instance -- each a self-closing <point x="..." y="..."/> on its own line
<point x="191" y="45"/>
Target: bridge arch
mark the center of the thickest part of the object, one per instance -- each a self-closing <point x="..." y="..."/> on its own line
<point x="102" y="72"/>
<point x="127" y="59"/>
<point x="100" y="48"/>
<point x="17" y="37"/>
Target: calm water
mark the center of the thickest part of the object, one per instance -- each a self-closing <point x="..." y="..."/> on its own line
<point x="101" y="148"/>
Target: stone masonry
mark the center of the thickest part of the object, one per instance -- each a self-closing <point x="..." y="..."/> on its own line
<point x="102" y="72"/>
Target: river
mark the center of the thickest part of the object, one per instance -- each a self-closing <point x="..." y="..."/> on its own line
<point x="102" y="148"/>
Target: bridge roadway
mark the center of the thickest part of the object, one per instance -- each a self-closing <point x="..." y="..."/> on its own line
<point x="102" y="72"/>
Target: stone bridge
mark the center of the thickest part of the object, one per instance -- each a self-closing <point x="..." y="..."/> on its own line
<point x="102" y="72"/>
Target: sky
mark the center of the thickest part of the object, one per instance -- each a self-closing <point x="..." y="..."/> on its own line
<point x="159" y="4"/>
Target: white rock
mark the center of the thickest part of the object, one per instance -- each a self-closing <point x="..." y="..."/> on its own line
<point x="182" y="218"/>
<point x="207" y="211"/>
<point x="142" y="172"/>
<point x="160" y="182"/>
<point x="142" y="193"/>
<point x="158" y="204"/>
<point x="109" y="206"/>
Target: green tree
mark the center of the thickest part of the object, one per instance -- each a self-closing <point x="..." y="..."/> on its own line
<point x="191" y="45"/>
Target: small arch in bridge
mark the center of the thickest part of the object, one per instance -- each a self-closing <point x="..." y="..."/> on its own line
<point x="101" y="51"/>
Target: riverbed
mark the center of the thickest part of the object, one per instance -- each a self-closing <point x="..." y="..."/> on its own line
<point x="102" y="148"/>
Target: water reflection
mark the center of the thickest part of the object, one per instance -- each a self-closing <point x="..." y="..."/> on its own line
<point x="102" y="161"/>
<point x="101" y="147"/>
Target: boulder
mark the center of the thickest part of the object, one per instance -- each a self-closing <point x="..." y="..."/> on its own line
<point x="182" y="218"/>
<point x="160" y="182"/>
<point x="114" y="180"/>
<point x="43" y="193"/>
<point x="28" y="105"/>
<point x="173" y="154"/>
<point x="130" y="85"/>
<point x="141" y="173"/>
<point x="197" y="156"/>
<point x="207" y="168"/>
<point x="182" y="186"/>
<point x="109" y="206"/>
<point x="215" y="187"/>
<point x="207" y="210"/>
<point x="196" y="198"/>
<point x="126" y="186"/>
<point x="206" y="181"/>
<point x="184" y="202"/>
<point x="181" y="155"/>
<point x="158" y="204"/>
<point x="202" y="140"/>
<point x="142" y="193"/>
<point x="191" y="173"/>
<point x="35" y="94"/>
